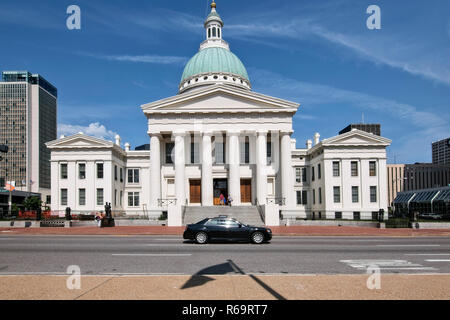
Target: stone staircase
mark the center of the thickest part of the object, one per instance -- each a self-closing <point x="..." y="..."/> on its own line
<point x="245" y="214"/>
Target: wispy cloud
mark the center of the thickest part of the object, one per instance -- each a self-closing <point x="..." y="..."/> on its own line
<point x="155" y="59"/>
<point x="94" y="129"/>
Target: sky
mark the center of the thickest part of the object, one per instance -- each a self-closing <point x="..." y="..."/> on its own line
<point x="319" y="54"/>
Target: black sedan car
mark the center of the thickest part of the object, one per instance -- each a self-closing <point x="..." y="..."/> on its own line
<point x="223" y="228"/>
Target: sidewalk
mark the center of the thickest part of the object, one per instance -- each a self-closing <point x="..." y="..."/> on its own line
<point x="277" y="231"/>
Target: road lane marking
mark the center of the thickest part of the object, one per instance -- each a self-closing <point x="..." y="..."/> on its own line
<point x="408" y="245"/>
<point x="385" y="264"/>
<point x="143" y="273"/>
<point x="427" y="254"/>
<point x="438" y="260"/>
<point x="153" y="254"/>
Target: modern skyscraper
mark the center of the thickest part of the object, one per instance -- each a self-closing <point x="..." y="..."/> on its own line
<point x="374" y="128"/>
<point x="28" y="105"/>
<point x="441" y="151"/>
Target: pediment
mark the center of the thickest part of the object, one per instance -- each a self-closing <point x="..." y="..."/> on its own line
<point x="80" y="141"/>
<point x="220" y="99"/>
<point x="356" y="138"/>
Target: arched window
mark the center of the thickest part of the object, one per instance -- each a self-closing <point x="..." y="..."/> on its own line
<point x="218" y="32"/>
<point x="214" y="32"/>
<point x="209" y="32"/>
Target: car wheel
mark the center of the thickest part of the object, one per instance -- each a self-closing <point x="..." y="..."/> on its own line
<point x="257" y="237"/>
<point x="201" y="237"/>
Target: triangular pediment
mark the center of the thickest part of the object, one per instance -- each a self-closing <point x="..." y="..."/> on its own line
<point x="220" y="98"/>
<point x="356" y="138"/>
<point x="79" y="141"/>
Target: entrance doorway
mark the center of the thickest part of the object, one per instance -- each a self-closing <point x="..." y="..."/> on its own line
<point x="195" y="191"/>
<point x="246" y="190"/>
<point x="220" y="186"/>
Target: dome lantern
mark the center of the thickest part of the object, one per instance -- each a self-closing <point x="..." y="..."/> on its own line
<point x="214" y="63"/>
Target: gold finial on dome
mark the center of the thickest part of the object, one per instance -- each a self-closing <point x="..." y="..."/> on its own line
<point x="213" y="5"/>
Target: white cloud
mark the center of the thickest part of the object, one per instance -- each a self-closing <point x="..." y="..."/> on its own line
<point x="156" y="59"/>
<point x="94" y="129"/>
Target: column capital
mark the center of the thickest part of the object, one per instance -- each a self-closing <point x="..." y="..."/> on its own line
<point x="261" y="132"/>
<point x="233" y="132"/>
<point x="285" y="132"/>
<point x="154" y="134"/>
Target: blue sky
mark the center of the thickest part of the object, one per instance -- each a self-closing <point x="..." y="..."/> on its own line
<point x="317" y="53"/>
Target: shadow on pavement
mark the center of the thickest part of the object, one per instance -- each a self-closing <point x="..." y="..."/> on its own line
<point x="200" y="277"/>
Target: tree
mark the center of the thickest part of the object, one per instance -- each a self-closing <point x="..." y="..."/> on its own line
<point x="32" y="203"/>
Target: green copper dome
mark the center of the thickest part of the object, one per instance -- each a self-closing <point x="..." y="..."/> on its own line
<point x="214" y="59"/>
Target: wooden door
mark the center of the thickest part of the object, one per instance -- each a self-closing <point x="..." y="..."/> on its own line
<point x="195" y="191"/>
<point x="246" y="190"/>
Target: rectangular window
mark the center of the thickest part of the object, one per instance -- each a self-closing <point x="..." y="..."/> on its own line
<point x="319" y="172"/>
<point x="121" y="196"/>
<point x="338" y="215"/>
<point x="115" y="173"/>
<point x="82" y="197"/>
<point x="305" y="197"/>
<point x="336" y="169"/>
<point x="133" y="199"/>
<point x="48" y="199"/>
<point x="269" y="151"/>
<point x="82" y="171"/>
<point x="298" y="175"/>
<point x="312" y="174"/>
<point x="133" y="175"/>
<point x="99" y="197"/>
<point x="354" y="168"/>
<point x="169" y="149"/>
<point x="64" y="197"/>
<point x="373" y="194"/>
<point x="320" y="195"/>
<point x="355" y="194"/>
<point x="375" y="215"/>
<point x="314" y="196"/>
<point x="195" y="154"/>
<point x="372" y="168"/>
<point x="304" y="174"/>
<point x="337" y="194"/>
<point x="356" y="215"/>
<point x="245" y="151"/>
<point x="63" y="170"/>
<point x="115" y="197"/>
<point x="99" y="170"/>
<point x="121" y="174"/>
<point x="299" y="197"/>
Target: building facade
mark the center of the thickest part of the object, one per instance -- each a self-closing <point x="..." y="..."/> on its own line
<point x="374" y="128"/>
<point x="28" y="111"/>
<point x="218" y="137"/>
<point x="441" y="152"/>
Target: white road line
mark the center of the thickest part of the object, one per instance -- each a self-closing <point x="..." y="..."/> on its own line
<point x="408" y="268"/>
<point x="427" y="254"/>
<point x="438" y="260"/>
<point x="153" y="254"/>
<point x="385" y="264"/>
<point x="142" y="273"/>
<point x="408" y="245"/>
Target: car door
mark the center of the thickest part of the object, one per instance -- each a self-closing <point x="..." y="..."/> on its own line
<point x="235" y="230"/>
<point x="216" y="228"/>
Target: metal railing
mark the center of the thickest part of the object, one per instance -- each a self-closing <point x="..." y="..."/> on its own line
<point x="276" y="200"/>
<point x="166" y="202"/>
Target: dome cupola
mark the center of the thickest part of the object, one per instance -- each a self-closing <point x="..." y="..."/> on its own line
<point x="214" y="63"/>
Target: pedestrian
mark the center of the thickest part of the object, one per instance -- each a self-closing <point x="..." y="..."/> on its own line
<point x="98" y="218"/>
<point x="221" y="198"/>
<point x="230" y="199"/>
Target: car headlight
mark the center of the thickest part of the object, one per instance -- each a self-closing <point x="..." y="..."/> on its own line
<point x="269" y="231"/>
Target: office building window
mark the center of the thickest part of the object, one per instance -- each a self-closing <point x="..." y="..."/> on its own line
<point x="372" y="168"/>
<point x="133" y="199"/>
<point x="169" y="150"/>
<point x="82" y="197"/>
<point x="63" y="170"/>
<point x="99" y="170"/>
<point x="373" y="194"/>
<point x="337" y="194"/>
<point x="64" y="197"/>
<point x="82" y="171"/>
<point x="336" y="169"/>
<point x="354" y="168"/>
<point x="133" y="175"/>
<point x="99" y="197"/>
<point x="355" y="194"/>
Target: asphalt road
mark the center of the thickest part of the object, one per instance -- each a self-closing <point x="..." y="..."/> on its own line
<point x="160" y="255"/>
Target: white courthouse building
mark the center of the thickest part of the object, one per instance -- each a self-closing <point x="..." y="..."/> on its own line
<point x="217" y="136"/>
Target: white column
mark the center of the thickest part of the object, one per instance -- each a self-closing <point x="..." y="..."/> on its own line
<point x="207" y="180"/>
<point x="234" y="181"/>
<point x="287" y="185"/>
<point x="180" y="165"/>
<point x="155" y="171"/>
<point x="261" y="165"/>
